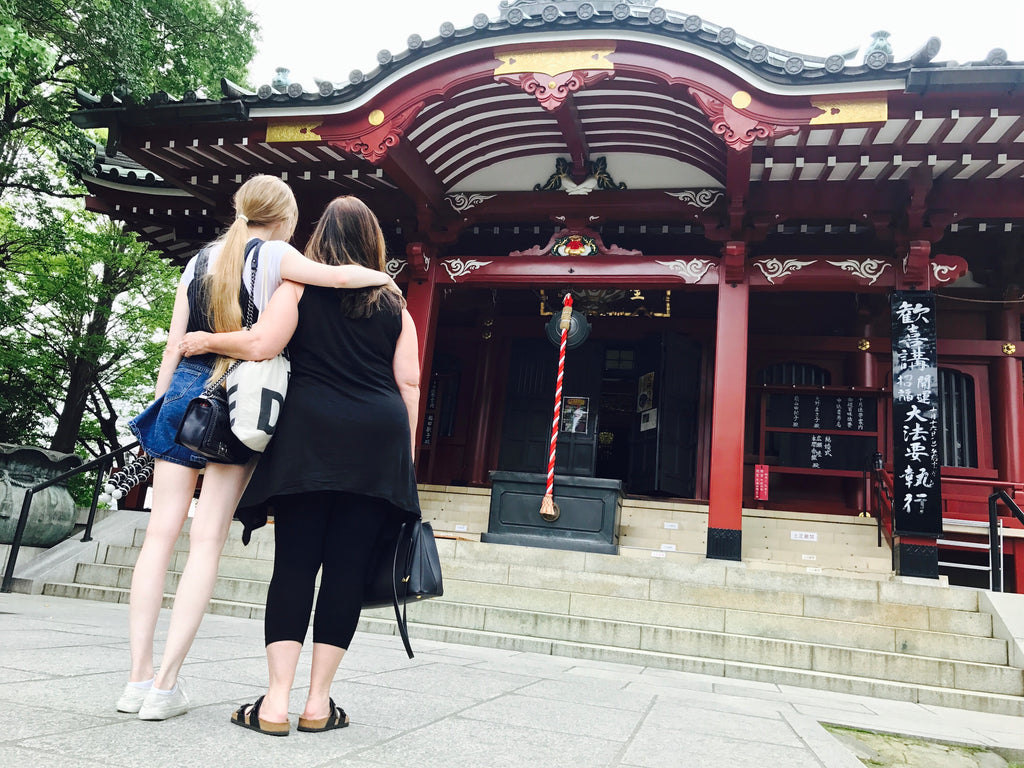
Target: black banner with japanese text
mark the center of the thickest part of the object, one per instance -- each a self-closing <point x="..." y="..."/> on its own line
<point x="916" y="419"/>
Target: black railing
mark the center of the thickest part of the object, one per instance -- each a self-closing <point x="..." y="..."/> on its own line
<point x="881" y="494"/>
<point x="996" y="551"/>
<point x="101" y="462"/>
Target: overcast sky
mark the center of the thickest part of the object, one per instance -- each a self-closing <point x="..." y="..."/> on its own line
<point x="329" y="38"/>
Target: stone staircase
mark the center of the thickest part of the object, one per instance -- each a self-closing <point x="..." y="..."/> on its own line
<point x="840" y="622"/>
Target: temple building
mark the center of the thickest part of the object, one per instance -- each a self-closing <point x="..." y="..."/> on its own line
<point x="796" y="281"/>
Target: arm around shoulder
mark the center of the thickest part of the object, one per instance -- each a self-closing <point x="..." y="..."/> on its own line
<point x="267" y="338"/>
<point x="296" y="267"/>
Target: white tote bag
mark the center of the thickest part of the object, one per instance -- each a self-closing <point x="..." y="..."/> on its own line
<point x="256" y="389"/>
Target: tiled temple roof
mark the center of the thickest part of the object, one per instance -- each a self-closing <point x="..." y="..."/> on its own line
<point x="564" y="17"/>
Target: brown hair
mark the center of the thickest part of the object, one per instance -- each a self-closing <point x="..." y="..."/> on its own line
<point x="262" y="200"/>
<point x="349" y="233"/>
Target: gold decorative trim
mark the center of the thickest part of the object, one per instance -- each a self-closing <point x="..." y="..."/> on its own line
<point x="838" y="111"/>
<point x="376" y="117"/>
<point x="1009" y="348"/>
<point x="741" y="99"/>
<point x="553" y="62"/>
<point x="864" y="345"/>
<point x="289" y="131"/>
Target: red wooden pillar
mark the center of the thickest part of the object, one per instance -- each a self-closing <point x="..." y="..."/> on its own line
<point x="1008" y="402"/>
<point x="865" y="374"/>
<point x="725" y="510"/>
<point x="482" y="396"/>
<point x="423" y="302"/>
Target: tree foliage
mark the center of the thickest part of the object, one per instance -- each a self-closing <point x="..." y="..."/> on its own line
<point x="85" y="306"/>
<point x="82" y="331"/>
<point x="131" y="47"/>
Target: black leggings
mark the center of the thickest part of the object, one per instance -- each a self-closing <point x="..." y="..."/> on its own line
<point x="334" y="531"/>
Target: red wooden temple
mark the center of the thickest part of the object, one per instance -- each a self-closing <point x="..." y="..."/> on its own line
<point x="731" y="219"/>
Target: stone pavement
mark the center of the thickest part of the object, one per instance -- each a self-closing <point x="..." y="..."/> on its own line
<point x="63" y="663"/>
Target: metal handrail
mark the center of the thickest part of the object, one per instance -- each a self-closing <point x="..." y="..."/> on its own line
<point x="882" y="491"/>
<point x="996" y="553"/>
<point x="19" y="531"/>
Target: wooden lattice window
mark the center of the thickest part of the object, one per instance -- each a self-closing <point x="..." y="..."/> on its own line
<point x="794" y="374"/>
<point x="959" y="429"/>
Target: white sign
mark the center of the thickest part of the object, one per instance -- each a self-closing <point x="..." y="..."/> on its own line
<point x="672" y="526"/>
<point x="461" y="527"/>
<point x="668" y="547"/>
<point x="803" y="535"/>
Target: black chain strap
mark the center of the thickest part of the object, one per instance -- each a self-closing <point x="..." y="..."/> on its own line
<point x="250" y="308"/>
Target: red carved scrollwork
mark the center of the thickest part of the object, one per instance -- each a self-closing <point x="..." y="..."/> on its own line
<point x="576" y="240"/>
<point x="916" y="264"/>
<point x="552" y="90"/>
<point x="372" y="141"/>
<point x="418" y="255"/>
<point x="738" y="128"/>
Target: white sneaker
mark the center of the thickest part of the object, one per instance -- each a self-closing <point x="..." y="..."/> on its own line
<point x="133" y="696"/>
<point x="160" y="705"/>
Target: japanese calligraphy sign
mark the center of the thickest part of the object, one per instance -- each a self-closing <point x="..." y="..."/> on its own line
<point x="916" y="419"/>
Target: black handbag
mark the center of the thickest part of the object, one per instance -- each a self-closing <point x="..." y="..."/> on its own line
<point x="206" y="429"/>
<point x="407" y="567"/>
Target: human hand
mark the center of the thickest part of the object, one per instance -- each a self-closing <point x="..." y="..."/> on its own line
<point x="391" y="285"/>
<point x="195" y="343"/>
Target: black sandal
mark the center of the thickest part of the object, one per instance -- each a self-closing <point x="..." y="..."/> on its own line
<point x="253" y="722"/>
<point x="336" y="719"/>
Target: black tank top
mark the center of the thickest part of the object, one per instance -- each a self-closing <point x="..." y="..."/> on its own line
<point x="199" y="316"/>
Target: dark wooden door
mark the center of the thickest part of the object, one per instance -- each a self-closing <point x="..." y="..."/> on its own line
<point x="664" y="446"/>
<point x="529" y="407"/>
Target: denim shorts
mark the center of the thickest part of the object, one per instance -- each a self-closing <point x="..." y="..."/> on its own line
<point x="156" y="426"/>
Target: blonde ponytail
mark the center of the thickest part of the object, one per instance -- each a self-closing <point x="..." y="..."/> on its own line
<point x="262" y="200"/>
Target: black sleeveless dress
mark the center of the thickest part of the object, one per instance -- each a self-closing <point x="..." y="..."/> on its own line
<point x="344" y="425"/>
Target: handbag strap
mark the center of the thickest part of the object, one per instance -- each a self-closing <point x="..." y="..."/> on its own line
<point x="403" y="628"/>
<point x="249" y="309"/>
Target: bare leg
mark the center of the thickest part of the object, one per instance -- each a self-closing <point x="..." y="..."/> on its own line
<point x="222" y="487"/>
<point x="282" y="658"/>
<point x="173" y="488"/>
<point x="326" y="659"/>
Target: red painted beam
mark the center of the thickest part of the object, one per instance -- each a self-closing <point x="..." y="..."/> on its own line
<point x="634" y="272"/>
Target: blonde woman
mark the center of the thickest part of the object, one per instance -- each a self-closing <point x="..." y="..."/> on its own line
<point x="212" y="300"/>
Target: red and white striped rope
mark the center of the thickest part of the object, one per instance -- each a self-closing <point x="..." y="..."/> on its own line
<point x="566" y="304"/>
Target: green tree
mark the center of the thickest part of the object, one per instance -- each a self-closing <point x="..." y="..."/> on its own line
<point x="132" y="47"/>
<point x="84" y="329"/>
<point x="84" y="305"/>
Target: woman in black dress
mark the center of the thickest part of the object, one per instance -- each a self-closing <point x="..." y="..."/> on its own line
<point x="338" y="472"/>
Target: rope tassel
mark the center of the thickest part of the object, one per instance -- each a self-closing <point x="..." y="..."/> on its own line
<point x="137" y="471"/>
<point x="548" y="509"/>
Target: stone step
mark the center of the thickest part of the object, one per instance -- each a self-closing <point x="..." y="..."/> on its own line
<point x="708" y="646"/>
<point x="119" y="576"/>
<point x="673" y="579"/>
<point x="839" y="683"/>
<point x="599" y="610"/>
<point x="378" y="622"/>
<point x="681" y="597"/>
<point x="860" y="631"/>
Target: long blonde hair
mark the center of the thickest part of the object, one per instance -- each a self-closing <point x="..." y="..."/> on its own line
<point x="262" y="201"/>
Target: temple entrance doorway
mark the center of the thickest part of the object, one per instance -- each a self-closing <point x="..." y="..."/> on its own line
<point x="629" y="411"/>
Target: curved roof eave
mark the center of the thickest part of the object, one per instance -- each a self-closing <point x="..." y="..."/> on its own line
<point x="352" y="97"/>
<point x="769" y="69"/>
